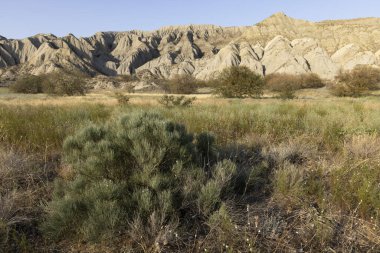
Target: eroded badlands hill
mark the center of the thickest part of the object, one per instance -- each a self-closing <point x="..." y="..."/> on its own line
<point x="277" y="44"/>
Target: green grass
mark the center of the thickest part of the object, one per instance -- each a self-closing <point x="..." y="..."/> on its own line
<point x="43" y="128"/>
<point x="327" y="124"/>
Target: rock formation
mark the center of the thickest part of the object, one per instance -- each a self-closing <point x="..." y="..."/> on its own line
<point x="279" y="44"/>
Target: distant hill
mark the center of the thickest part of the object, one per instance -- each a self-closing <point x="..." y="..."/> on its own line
<point x="277" y="44"/>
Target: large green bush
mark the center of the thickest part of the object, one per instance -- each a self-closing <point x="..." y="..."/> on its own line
<point x="239" y="82"/>
<point x="134" y="173"/>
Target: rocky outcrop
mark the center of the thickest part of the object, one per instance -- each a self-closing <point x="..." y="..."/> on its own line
<point x="51" y="56"/>
<point x="6" y="59"/>
<point x="280" y="57"/>
<point x="352" y="55"/>
<point x="279" y="44"/>
<point x="318" y="60"/>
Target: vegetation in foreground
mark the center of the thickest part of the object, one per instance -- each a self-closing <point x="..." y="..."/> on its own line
<point x="281" y="176"/>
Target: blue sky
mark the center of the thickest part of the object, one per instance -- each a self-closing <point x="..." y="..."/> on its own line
<point x="22" y="18"/>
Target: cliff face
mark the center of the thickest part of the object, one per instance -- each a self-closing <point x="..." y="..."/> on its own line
<point x="279" y="44"/>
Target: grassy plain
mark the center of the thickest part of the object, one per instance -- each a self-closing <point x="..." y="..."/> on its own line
<point x="321" y="192"/>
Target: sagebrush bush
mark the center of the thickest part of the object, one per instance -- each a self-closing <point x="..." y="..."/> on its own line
<point x="129" y="171"/>
<point x="239" y="82"/>
<point x="356" y="82"/>
<point x="222" y="228"/>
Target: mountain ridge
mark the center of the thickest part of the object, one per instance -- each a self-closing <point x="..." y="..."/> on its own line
<point x="278" y="44"/>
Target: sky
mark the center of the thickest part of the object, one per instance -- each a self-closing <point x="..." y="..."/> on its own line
<point x="23" y="18"/>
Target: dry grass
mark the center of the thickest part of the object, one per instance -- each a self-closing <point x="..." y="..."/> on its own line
<point x="25" y="181"/>
<point x="106" y="97"/>
<point x="323" y="154"/>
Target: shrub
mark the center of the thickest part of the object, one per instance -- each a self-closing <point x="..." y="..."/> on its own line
<point x="133" y="173"/>
<point x="65" y="83"/>
<point x="221" y="182"/>
<point x="311" y="81"/>
<point x="28" y="84"/>
<point x="287" y="84"/>
<point x="284" y="84"/>
<point x="356" y="82"/>
<point x="173" y="101"/>
<point x="239" y="82"/>
<point x="222" y="227"/>
<point x="57" y="83"/>
<point x="181" y="84"/>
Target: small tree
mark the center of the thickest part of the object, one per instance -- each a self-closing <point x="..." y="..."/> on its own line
<point x="239" y="82"/>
